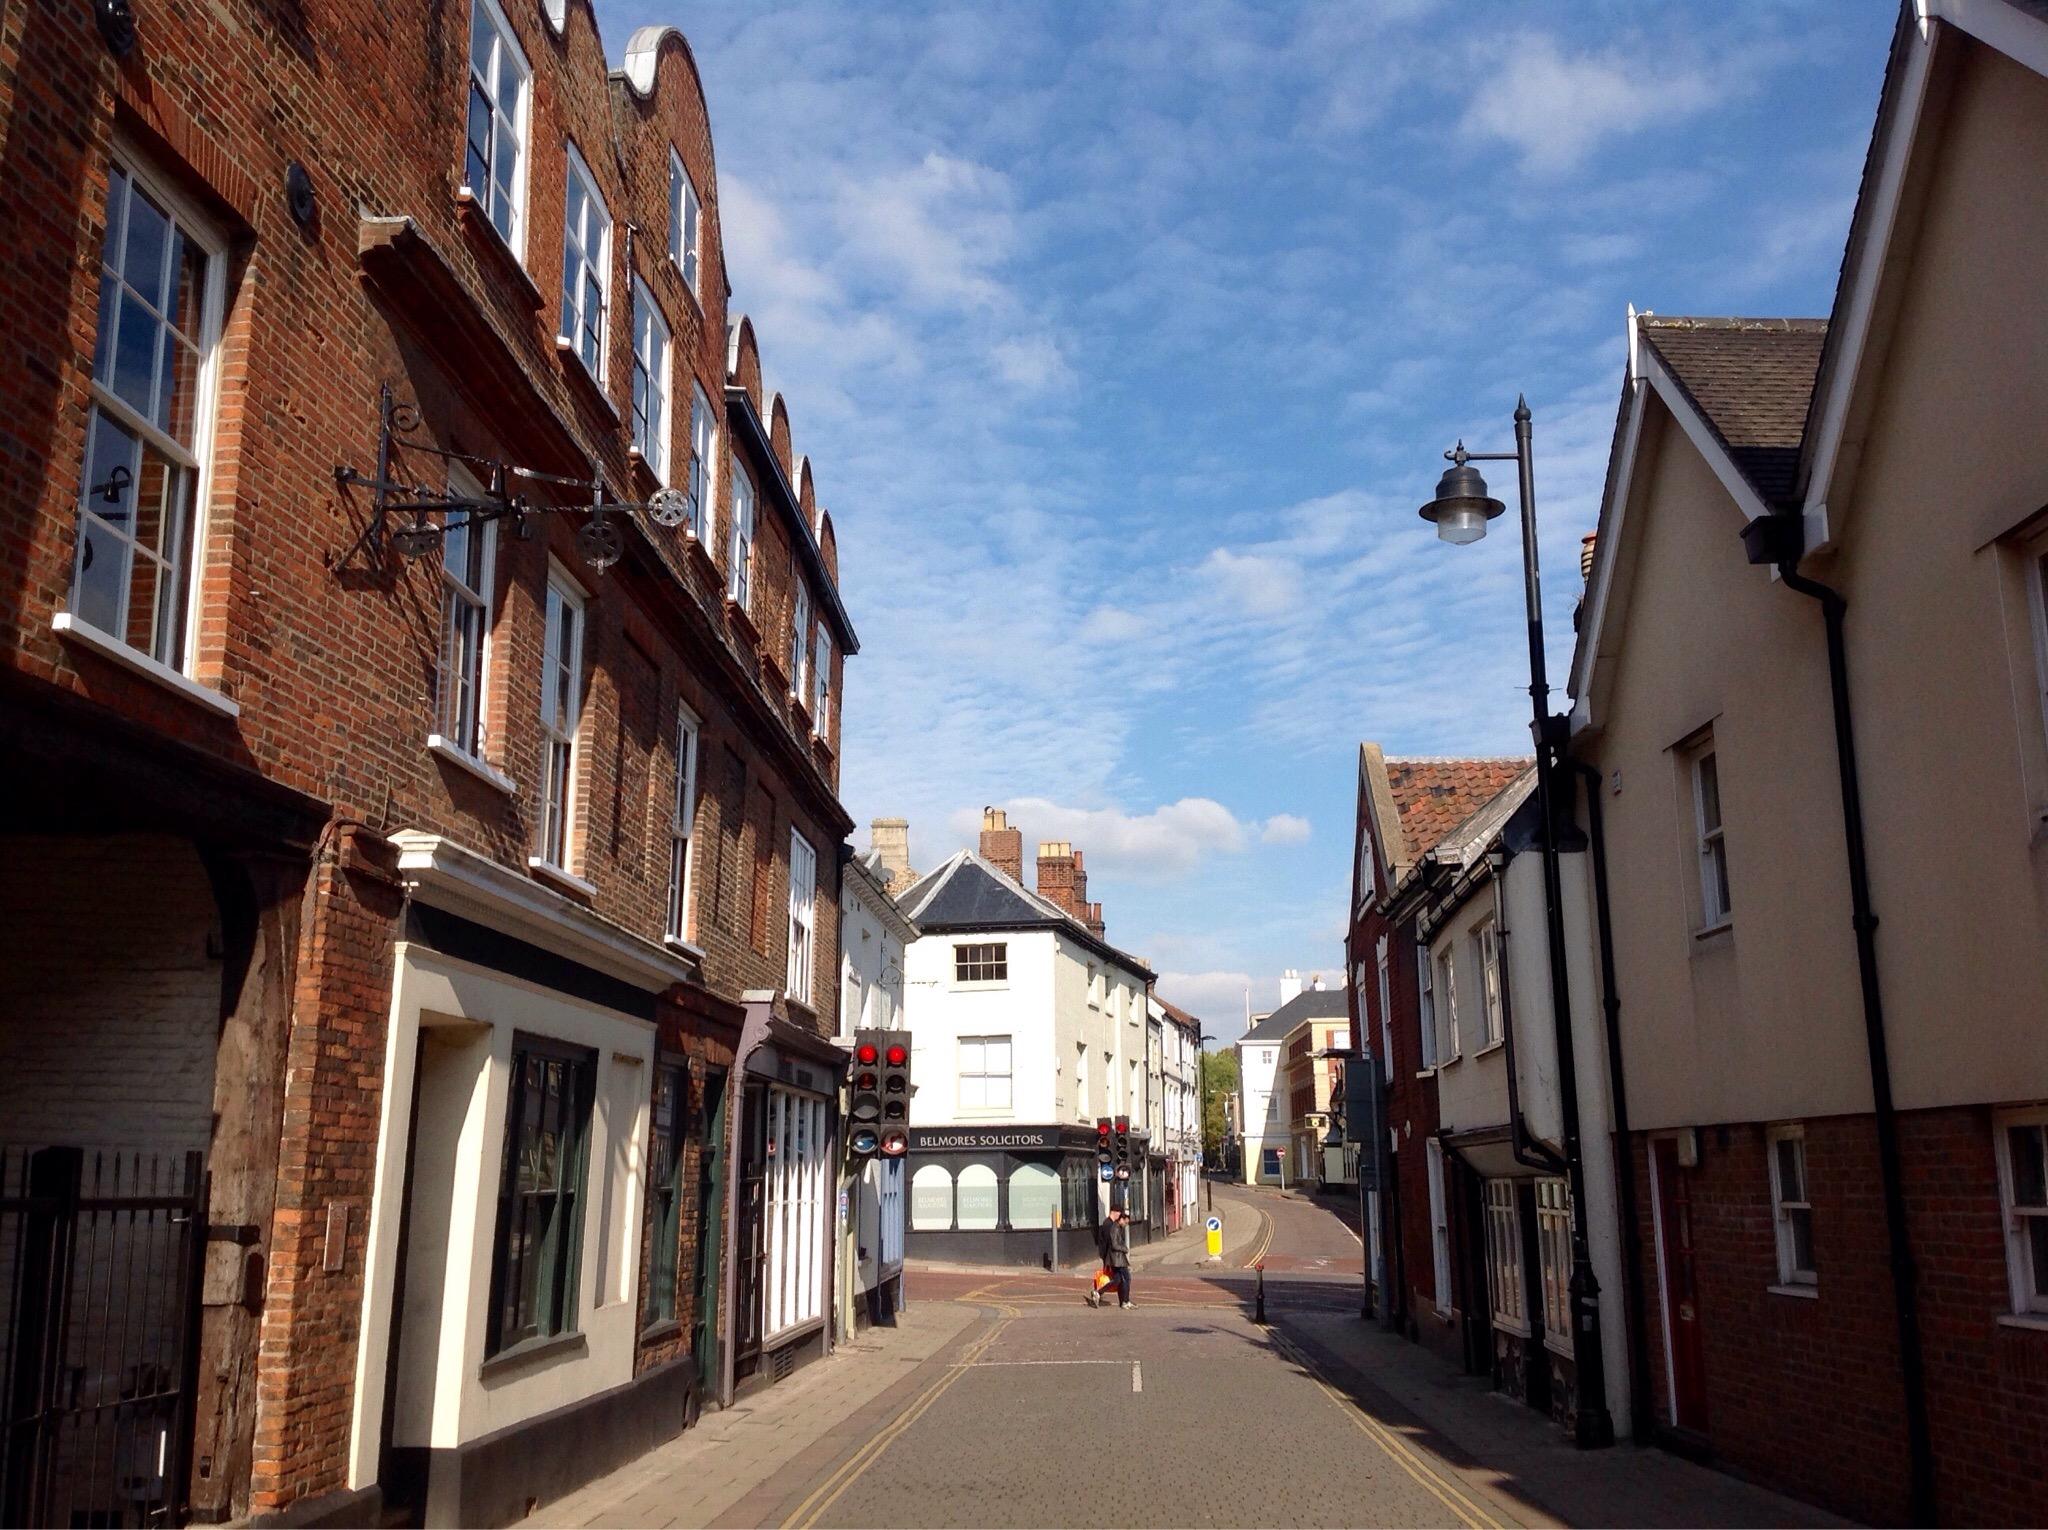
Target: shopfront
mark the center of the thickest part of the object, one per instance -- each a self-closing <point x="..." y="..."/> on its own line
<point x="993" y="1195"/>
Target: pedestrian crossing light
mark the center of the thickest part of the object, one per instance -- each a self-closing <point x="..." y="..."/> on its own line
<point x="1123" y="1147"/>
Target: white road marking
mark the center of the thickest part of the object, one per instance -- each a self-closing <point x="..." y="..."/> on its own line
<point x="1049" y="1362"/>
<point x="1137" y="1377"/>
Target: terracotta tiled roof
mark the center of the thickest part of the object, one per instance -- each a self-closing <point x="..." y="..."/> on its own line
<point x="1752" y="380"/>
<point x="1434" y="796"/>
<point x="1178" y="1015"/>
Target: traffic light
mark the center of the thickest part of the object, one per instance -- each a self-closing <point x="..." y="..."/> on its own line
<point x="1123" y="1147"/>
<point x="894" y="1049"/>
<point x="1105" y="1149"/>
<point x="864" y="1134"/>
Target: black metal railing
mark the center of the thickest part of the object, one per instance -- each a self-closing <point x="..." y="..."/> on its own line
<point x="100" y="1268"/>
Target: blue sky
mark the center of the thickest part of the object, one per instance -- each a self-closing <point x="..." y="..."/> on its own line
<point x="1124" y="340"/>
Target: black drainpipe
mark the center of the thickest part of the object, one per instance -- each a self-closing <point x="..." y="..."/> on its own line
<point x="1778" y="539"/>
<point x="1641" y="1416"/>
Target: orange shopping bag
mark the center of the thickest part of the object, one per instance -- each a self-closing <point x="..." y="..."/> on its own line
<point x="1104" y="1280"/>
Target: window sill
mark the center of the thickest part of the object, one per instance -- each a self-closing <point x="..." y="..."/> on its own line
<point x="581" y="375"/>
<point x="439" y="746"/>
<point x="1491" y="1046"/>
<point x="737" y="615"/>
<point x="646" y="476"/>
<point x="677" y="943"/>
<point x="1562" y="1348"/>
<point x="1508" y="1325"/>
<point x="107" y="646"/>
<point x="548" y="871"/>
<point x="667" y="1328"/>
<point x="696" y="552"/>
<point x="1719" y="927"/>
<point x="476" y="223"/>
<point x="531" y="1352"/>
<point x="989" y="987"/>
<point x="1805" y="1292"/>
<point x="2037" y="1321"/>
<point x="1429" y="1072"/>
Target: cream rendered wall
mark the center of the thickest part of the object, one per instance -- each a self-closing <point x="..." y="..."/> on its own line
<point x="1760" y="1021"/>
<point x="1941" y="652"/>
<point x="1472" y="1089"/>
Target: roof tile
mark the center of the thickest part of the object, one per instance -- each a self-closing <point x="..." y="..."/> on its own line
<point x="1434" y="796"/>
<point x="1752" y="380"/>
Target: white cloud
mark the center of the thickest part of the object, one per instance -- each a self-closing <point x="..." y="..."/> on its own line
<point x="938" y="229"/>
<point x="1170" y="841"/>
<point x="1284" y="829"/>
<point x="1557" y="107"/>
<point x="1032" y="362"/>
<point x="1217" y="999"/>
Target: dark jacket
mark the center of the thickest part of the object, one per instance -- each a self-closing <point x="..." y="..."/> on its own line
<point x="1116" y="1245"/>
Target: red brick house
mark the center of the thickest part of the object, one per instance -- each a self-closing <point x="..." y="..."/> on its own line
<point x="417" y="879"/>
<point x="1405" y="808"/>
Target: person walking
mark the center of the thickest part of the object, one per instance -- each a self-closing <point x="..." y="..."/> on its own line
<point x="1118" y="1256"/>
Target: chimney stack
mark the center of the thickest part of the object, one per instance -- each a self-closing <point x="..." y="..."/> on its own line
<point x="1002" y="846"/>
<point x="1056" y="874"/>
<point x="890" y="839"/>
<point x="1290" y="986"/>
<point x="1586" y="555"/>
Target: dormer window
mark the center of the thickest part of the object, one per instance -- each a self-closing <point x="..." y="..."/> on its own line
<point x="586" y="267"/>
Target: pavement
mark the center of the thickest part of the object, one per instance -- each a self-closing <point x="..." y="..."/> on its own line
<point x="1001" y="1398"/>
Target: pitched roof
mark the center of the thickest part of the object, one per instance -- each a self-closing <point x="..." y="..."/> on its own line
<point x="1309" y="1004"/>
<point x="969" y="893"/>
<point x="1434" y="796"/>
<point x="1176" y="1014"/>
<point x="1752" y="381"/>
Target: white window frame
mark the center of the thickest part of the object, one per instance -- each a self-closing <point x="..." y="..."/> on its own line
<point x="1425" y="1010"/>
<point x="1717" y="898"/>
<point x="1783" y="1206"/>
<point x="2029" y="1302"/>
<point x="1448" y="1048"/>
<point x="1383" y="954"/>
<point x="486" y="195"/>
<point x="703" y="461"/>
<point x="685" y="224"/>
<point x="650" y="425"/>
<point x="195" y="461"/>
<point x="1507" y="1292"/>
<point x="821" y="684"/>
<point x="976" y="1054"/>
<point x="683" y="822"/>
<point x="739" y="577"/>
<point x="1368" y="879"/>
<point x="799" y="634"/>
<point x="984" y="954"/>
<point x="561" y="716"/>
<point x="465" y="733"/>
<point x="803" y="911"/>
<point x="1439" y="1229"/>
<point x="1486" y="939"/>
<point x="579" y="261"/>
<point x="1554" y="1256"/>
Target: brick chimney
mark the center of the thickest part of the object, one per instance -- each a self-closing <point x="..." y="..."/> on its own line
<point x="1001" y="845"/>
<point x="890" y="838"/>
<point x="1056" y="874"/>
<point x="1094" y="919"/>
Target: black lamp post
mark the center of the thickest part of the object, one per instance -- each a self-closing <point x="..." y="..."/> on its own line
<point x="1460" y="511"/>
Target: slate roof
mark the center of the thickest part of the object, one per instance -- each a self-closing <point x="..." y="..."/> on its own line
<point x="969" y="893"/>
<point x="1751" y="380"/>
<point x="1176" y="1014"/>
<point x="1434" y="796"/>
<point x="1309" y="1004"/>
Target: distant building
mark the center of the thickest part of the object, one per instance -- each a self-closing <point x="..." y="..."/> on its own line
<point x="1181" y="1124"/>
<point x="1263" y="1087"/>
<point x="1027" y="1027"/>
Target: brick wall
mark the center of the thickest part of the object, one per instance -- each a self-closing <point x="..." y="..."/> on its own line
<point x="110" y="991"/>
<point x="1805" y="1393"/>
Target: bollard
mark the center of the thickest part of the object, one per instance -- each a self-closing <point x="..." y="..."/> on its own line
<point x="1259" y="1311"/>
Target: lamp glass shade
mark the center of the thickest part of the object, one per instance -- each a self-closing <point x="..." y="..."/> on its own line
<point x="1460" y="522"/>
<point x="1462" y="506"/>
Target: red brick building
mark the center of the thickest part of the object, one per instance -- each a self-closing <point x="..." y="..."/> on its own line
<point x="1418" y="1241"/>
<point x="419" y="880"/>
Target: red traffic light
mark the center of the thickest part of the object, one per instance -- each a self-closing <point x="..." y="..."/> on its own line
<point x="1102" y="1126"/>
<point x="898" y="1055"/>
<point x="1123" y="1124"/>
<point x="865" y="1054"/>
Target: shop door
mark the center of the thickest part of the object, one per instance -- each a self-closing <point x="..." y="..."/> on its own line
<point x="750" y="1245"/>
<point x="1683" y="1338"/>
<point x="710" y="1227"/>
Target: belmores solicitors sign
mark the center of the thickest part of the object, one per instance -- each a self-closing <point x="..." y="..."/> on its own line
<point x="968" y="1139"/>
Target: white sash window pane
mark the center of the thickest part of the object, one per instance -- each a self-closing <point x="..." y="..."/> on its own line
<point x="586" y="267"/>
<point x="703" y="461"/>
<point x="560" y="699"/>
<point x="685" y="218"/>
<point x="682" y="825"/>
<point x="803" y="886"/>
<point x="740" y="556"/>
<point x="494" y="133"/>
<point x="650" y="382"/>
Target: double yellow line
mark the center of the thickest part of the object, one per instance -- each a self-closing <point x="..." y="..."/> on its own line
<point x="1405" y="1456"/>
<point x="834" y="1487"/>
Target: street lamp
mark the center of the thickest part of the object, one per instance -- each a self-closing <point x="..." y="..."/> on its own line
<point x="1202" y="1115"/>
<point x="1460" y="511"/>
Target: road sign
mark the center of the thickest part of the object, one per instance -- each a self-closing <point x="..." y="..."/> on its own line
<point x="1215" y="1226"/>
<point x="1107" y="1172"/>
